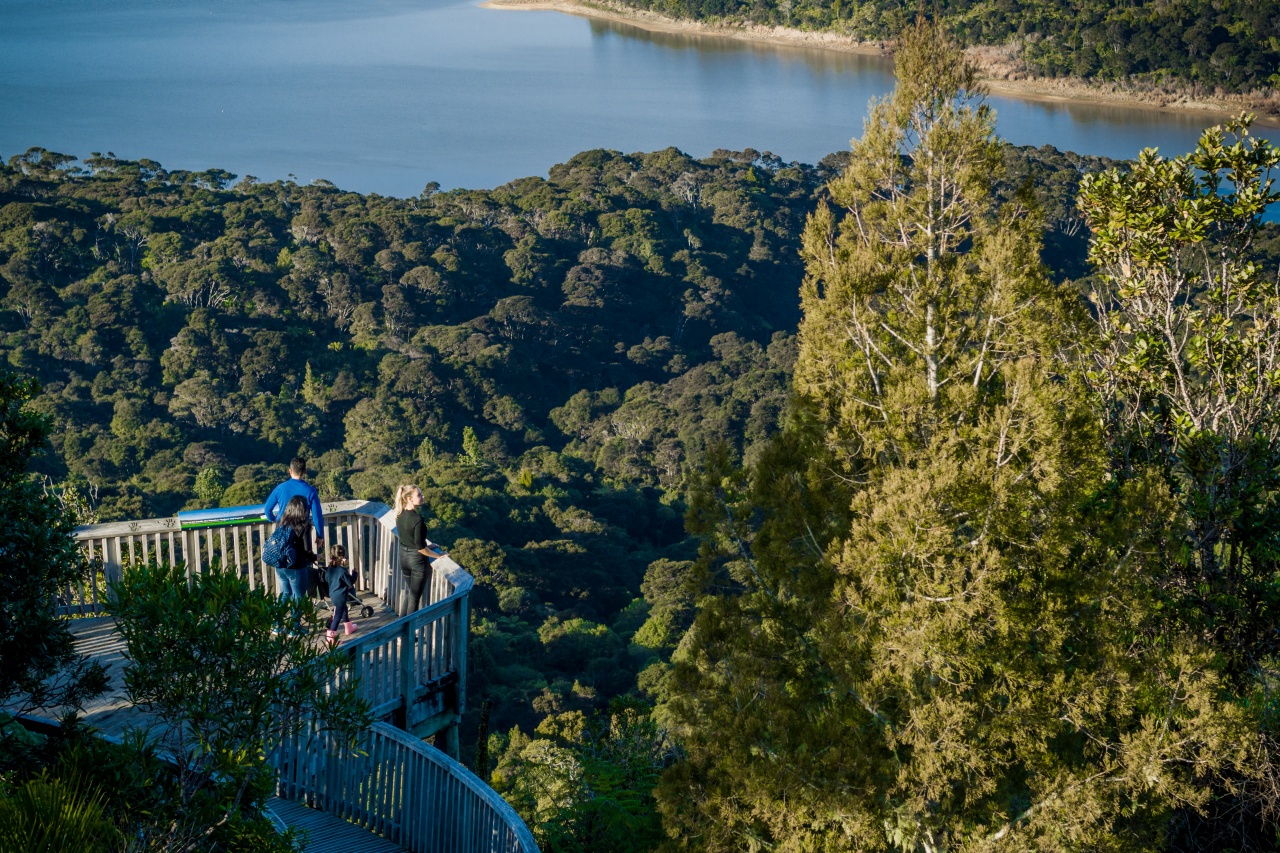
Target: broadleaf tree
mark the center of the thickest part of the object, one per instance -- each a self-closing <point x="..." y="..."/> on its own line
<point x="1183" y="359"/>
<point x="230" y="676"/>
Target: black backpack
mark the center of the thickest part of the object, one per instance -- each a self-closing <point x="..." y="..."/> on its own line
<point x="279" y="552"/>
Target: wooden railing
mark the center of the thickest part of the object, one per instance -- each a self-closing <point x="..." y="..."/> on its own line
<point x="412" y="672"/>
<point x="366" y="529"/>
<point x="399" y="788"/>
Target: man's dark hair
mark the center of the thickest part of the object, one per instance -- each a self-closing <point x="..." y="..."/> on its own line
<point x="298" y="466"/>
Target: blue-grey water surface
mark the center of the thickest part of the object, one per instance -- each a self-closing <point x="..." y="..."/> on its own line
<point x="387" y="95"/>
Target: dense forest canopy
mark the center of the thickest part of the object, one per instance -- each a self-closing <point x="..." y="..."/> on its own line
<point x="1234" y="45"/>
<point x="170" y="316"/>
<point x="633" y="309"/>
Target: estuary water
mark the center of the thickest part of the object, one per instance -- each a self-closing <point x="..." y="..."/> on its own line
<point x="387" y="95"/>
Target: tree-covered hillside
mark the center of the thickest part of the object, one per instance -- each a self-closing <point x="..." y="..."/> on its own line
<point x="179" y="324"/>
<point x="545" y="359"/>
<point x="629" y="310"/>
<point x="1233" y="45"/>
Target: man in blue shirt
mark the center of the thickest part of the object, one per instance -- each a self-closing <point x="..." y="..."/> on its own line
<point x="297" y="485"/>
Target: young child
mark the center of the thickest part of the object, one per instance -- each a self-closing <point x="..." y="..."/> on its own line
<point x="342" y="584"/>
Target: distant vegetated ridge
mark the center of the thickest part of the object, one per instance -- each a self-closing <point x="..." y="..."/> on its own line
<point x="1171" y="52"/>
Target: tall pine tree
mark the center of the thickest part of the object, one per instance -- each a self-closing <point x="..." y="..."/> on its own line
<point x="924" y="628"/>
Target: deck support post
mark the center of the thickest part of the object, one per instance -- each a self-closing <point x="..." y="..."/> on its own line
<point x="407" y="654"/>
<point x="451" y="741"/>
<point x="461" y="637"/>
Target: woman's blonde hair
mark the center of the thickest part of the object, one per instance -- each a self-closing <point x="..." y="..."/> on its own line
<point x="404" y="494"/>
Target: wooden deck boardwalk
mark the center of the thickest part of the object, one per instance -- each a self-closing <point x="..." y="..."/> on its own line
<point x="111" y="713"/>
<point x="326" y="833"/>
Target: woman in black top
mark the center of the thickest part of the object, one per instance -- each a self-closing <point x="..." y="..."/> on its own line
<point x="416" y="550"/>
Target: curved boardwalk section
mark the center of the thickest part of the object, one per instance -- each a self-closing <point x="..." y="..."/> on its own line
<point x="405" y="791"/>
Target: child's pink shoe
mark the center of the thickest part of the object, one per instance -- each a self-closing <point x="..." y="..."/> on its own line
<point x="331" y="637"/>
<point x="351" y="628"/>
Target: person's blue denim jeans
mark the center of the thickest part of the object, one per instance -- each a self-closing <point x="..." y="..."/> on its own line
<point x="293" y="583"/>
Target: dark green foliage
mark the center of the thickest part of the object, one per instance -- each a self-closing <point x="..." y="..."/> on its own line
<point x="226" y="678"/>
<point x="548" y="360"/>
<point x="38" y="559"/>
<point x="588" y="781"/>
<point x="163" y="313"/>
<point x="191" y="335"/>
<point x="629" y="309"/>
<point x="48" y="815"/>
<point x="73" y="790"/>
<point x="222" y="666"/>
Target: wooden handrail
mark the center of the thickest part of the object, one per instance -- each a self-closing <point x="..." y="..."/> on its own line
<point x="399" y="789"/>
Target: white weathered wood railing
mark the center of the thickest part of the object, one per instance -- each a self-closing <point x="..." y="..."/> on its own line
<point x="366" y="529"/>
<point x="412" y="672"/>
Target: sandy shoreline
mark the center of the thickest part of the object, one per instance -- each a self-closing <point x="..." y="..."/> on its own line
<point x="994" y="62"/>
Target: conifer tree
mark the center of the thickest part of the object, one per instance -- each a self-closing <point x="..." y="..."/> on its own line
<point x="925" y="629"/>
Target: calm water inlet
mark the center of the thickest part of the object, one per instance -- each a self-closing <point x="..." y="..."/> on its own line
<point x="387" y="95"/>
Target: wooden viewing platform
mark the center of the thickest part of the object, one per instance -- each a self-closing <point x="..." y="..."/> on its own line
<point x="401" y="793"/>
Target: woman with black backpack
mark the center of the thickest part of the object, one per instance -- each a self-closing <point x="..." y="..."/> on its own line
<point x="293" y="575"/>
